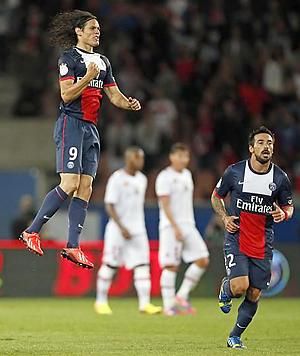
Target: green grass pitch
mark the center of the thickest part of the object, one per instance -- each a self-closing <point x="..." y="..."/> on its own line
<point x="70" y="327"/>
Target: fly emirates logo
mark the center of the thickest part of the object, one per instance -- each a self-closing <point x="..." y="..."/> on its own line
<point x="95" y="83"/>
<point x="255" y="205"/>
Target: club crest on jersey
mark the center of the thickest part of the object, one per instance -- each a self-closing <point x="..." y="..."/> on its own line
<point x="272" y="187"/>
<point x="63" y="69"/>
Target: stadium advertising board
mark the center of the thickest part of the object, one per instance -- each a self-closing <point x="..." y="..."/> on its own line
<point x="23" y="274"/>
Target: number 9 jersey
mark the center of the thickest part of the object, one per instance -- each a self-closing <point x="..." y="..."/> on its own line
<point x="75" y="133"/>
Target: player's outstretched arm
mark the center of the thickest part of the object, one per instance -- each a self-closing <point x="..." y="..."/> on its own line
<point x="220" y="209"/>
<point x="117" y="98"/>
<point x="70" y="91"/>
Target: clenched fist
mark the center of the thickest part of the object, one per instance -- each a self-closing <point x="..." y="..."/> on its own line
<point x="134" y="104"/>
<point x="277" y="214"/>
<point x="92" y="70"/>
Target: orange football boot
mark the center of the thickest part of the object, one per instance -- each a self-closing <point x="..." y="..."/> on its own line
<point x="76" y="256"/>
<point x="32" y="241"/>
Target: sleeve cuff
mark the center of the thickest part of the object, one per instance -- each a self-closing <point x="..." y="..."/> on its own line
<point x="66" y="78"/>
<point x="109" y="85"/>
<point x="218" y="195"/>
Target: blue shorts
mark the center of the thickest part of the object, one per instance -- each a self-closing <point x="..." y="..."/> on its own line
<point x="77" y="146"/>
<point x="237" y="264"/>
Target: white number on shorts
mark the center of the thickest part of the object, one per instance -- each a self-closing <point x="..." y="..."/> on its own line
<point x="73" y="152"/>
<point x="230" y="258"/>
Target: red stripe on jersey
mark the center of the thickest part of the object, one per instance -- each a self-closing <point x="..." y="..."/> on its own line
<point x="63" y="143"/>
<point x="90" y="104"/>
<point x="66" y="78"/>
<point x="110" y="85"/>
<point x="252" y="238"/>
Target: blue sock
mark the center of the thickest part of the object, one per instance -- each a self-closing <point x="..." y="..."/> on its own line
<point x="227" y="290"/>
<point x="52" y="202"/>
<point x="246" y="312"/>
<point x="77" y="214"/>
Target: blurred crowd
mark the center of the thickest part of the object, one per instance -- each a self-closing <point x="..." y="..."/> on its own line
<point x="205" y="71"/>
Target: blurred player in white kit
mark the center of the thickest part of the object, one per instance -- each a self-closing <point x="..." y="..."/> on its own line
<point x="178" y="236"/>
<point x="125" y="239"/>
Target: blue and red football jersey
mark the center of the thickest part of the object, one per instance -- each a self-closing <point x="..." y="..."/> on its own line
<point x="73" y="65"/>
<point x="251" y="199"/>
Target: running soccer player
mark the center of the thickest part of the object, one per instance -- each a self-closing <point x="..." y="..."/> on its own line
<point x="83" y="75"/>
<point x="126" y="241"/>
<point x="260" y="194"/>
<point x="178" y="236"/>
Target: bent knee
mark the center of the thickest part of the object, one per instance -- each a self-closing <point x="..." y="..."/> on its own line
<point x="83" y="193"/>
<point x="239" y="288"/>
<point x="202" y="262"/>
<point x="253" y="294"/>
<point x="70" y="183"/>
<point x="84" y="189"/>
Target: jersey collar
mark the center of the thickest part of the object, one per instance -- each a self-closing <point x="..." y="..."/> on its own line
<point x="83" y="51"/>
<point x="259" y="173"/>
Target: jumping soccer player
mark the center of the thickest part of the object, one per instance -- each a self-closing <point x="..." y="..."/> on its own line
<point x="260" y="194"/>
<point x="83" y="74"/>
<point x="178" y="236"/>
<point x="126" y="240"/>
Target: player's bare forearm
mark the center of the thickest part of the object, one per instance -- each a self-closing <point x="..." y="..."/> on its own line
<point x="111" y="211"/>
<point x="229" y="221"/>
<point x="71" y="91"/>
<point x="165" y="203"/>
<point x="118" y="99"/>
<point x="218" y="205"/>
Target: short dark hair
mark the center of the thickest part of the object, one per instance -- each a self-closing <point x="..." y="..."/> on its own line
<point x="261" y="129"/>
<point x="62" y="27"/>
<point x="179" y="146"/>
<point x="132" y="149"/>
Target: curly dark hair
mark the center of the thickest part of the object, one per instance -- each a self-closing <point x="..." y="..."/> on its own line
<point x="62" y="28"/>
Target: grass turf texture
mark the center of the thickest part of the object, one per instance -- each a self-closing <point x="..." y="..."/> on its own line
<point x="71" y="327"/>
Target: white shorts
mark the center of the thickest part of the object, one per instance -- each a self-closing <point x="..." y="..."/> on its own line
<point x="120" y="252"/>
<point x="171" y="251"/>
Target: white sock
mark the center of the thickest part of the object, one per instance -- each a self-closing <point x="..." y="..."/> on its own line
<point x="104" y="279"/>
<point x="142" y="285"/>
<point x="190" y="280"/>
<point x="167" y="285"/>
